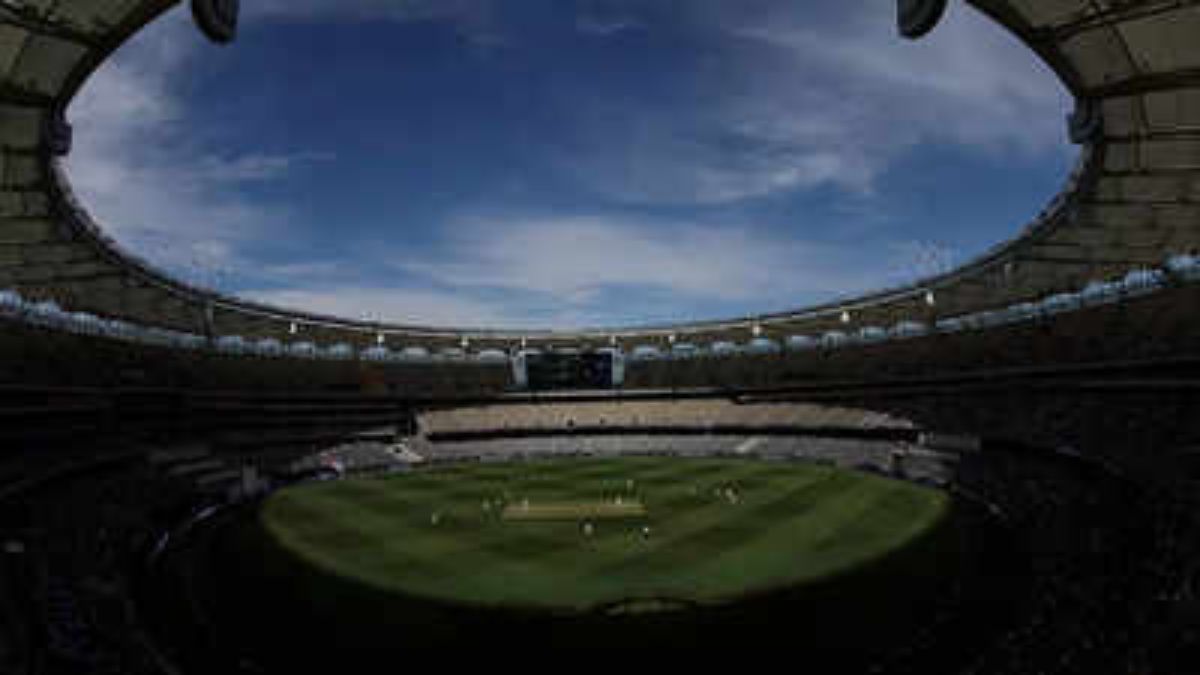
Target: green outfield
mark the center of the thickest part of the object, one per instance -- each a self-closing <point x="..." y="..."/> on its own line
<point x="702" y="531"/>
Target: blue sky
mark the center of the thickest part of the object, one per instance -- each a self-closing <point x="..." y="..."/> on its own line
<point x="566" y="163"/>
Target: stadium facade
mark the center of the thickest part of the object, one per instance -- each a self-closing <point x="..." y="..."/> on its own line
<point x="1129" y="205"/>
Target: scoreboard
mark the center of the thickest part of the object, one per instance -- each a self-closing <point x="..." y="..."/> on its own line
<point x="547" y="371"/>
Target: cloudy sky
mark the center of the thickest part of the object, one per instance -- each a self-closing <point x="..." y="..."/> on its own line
<point x="566" y="163"/>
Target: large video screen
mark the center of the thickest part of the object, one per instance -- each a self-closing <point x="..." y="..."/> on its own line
<point x="549" y="371"/>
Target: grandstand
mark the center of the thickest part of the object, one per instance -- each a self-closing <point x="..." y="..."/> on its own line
<point x="663" y="413"/>
<point x="1049" y="386"/>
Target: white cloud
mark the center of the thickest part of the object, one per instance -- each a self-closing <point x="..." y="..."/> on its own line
<point x="249" y="168"/>
<point x="808" y="105"/>
<point x="400" y="10"/>
<point x="141" y="173"/>
<point x="604" y="26"/>
<point x="581" y="271"/>
<point x="475" y="20"/>
<point x="969" y="81"/>
<point x="394" y="304"/>
<point x="576" y="259"/>
<point x="799" y="99"/>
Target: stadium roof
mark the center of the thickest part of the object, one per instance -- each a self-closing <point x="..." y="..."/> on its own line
<point x="1133" y="200"/>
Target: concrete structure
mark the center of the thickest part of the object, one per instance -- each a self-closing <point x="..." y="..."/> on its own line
<point x="1133" y="200"/>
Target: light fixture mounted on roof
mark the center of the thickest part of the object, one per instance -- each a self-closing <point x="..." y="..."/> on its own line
<point x="915" y="18"/>
<point x="845" y="317"/>
<point x="217" y="19"/>
<point x="293" y="328"/>
<point x="930" y="299"/>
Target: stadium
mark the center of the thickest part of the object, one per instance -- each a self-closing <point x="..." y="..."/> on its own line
<point x="995" y="469"/>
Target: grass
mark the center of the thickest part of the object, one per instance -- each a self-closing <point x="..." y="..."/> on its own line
<point x="705" y="531"/>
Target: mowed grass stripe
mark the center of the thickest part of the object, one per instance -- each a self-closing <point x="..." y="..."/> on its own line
<point x="719" y="525"/>
<point x="308" y="522"/>
<point x="587" y="469"/>
<point x="789" y="522"/>
<point x="499" y="551"/>
<point x="692" y="469"/>
<point x="536" y="544"/>
<point x="513" y="551"/>
<point x="614" y="561"/>
<point x="382" y="558"/>
<point x="702" y="473"/>
<point x="828" y="534"/>
<point x="404" y="522"/>
<point x="678" y="543"/>
<point x="374" y="497"/>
